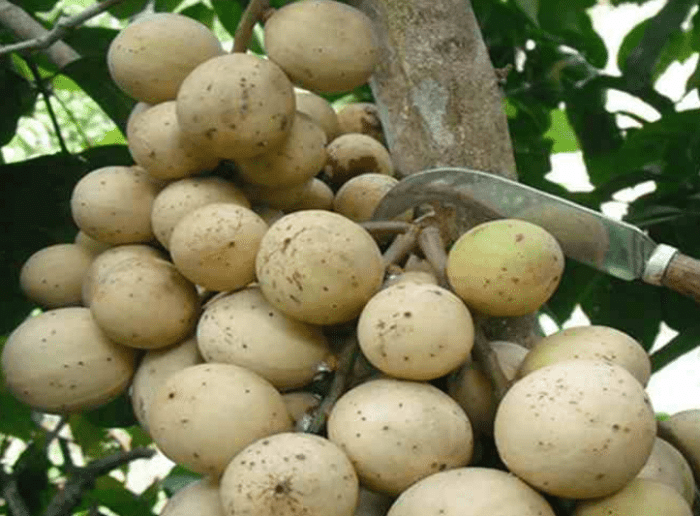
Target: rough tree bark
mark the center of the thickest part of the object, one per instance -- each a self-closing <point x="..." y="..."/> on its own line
<point x="440" y="103"/>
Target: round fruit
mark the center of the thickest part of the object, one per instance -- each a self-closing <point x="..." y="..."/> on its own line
<point x="415" y="331"/>
<point x="640" y="497"/>
<point x="157" y="144"/>
<point x="108" y="259"/>
<point x="505" y="267"/>
<point x="215" y="246"/>
<point x="289" y="474"/>
<point x="94" y="246"/>
<point x="203" y="415"/>
<point x="682" y="430"/>
<point x="113" y="204"/>
<point x="471" y="492"/>
<point x="242" y="328"/>
<point x="150" y="58"/>
<point x="576" y="429"/>
<point x="236" y="106"/>
<point x="299" y="158"/>
<point x="300" y="403"/>
<point x="318" y="196"/>
<point x="359" y="197"/>
<point x="60" y="361"/>
<point x="278" y="198"/>
<point x="397" y="432"/>
<point x="352" y="154"/>
<point x="145" y="303"/>
<point x="338" y="54"/>
<point x="53" y="276"/>
<point x="181" y="197"/>
<point x="320" y="110"/>
<point x="666" y="464"/>
<point x="592" y="343"/>
<point x="318" y="267"/>
<point x="200" y="498"/>
<point x="155" y="367"/>
<point x="361" y="117"/>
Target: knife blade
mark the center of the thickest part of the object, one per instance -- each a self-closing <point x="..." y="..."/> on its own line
<point x="587" y="236"/>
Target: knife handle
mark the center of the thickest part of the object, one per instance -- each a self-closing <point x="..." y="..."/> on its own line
<point x="682" y="274"/>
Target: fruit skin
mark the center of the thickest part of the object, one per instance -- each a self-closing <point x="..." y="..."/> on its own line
<point x="236" y="106"/>
<point x="199" y="498"/>
<point x="61" y="362"/>
<point x="666" y="464"/>
<point x="338" y="54"/>
<point x="576" y="429"/>
<point x="150" y="58"/>
<point x="290" y="474"/>
<point x="471" y="492"/>
<point x="505" y="267"/>
<point x="318" y="267"/>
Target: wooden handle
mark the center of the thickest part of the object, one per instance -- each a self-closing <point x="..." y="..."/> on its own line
<point x="683" y="276"/>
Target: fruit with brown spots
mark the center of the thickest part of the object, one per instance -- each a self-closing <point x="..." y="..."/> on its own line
<point x="352" y="154"/>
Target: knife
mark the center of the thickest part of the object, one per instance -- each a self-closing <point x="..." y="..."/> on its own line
<point x="587" y="236"/>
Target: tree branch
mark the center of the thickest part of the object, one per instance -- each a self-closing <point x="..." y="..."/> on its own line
<point x="244" y="31"/>
<point x="10" y="493"/>
<point x="70" y="496"/>
<point x="35" y="36"/>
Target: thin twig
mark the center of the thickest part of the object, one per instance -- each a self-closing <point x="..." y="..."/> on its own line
<point x="433" y="248"/>
<point x="487" y="359"/>
<point x="10" y="493"/>
<point x="56" y="430"/>
<point x="47" y="100"/>
<point x="401" y="246"/>
<point x="83" y="478"/>
<point x="382" y="227"/>
<point x="60" y="29"/>
<point x="313" y="423"/>
<point x="252" y="14"/>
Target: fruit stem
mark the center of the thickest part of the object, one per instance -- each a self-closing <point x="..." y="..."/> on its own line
<point x="401" y="246"/>
<point x="486" y="357"/>
<point x="381" y="227"/>
<point x="252" y="14"/>
<point x="433" y="248"/>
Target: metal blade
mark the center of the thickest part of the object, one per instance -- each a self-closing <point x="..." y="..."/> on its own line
<point x="587" y="236"/>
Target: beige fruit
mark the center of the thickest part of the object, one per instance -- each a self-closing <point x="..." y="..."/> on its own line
<point x="205" y="414"/>
<point x="472" y="389"/>
<point x="505" y="267"/>
<point x="682" y="430"/>
<point x="154" y="369"/>
<point x="200" y="498"/>
<point x="284" y="199"/>
<point x="471" y="492"/>
<point x="138" y="108"/>
<point x="318" y="196"/>
<point x="150" y="58"/>
<point x="359" y="197"/>
<point x="666" y="464"/>
<point x="53" y="276"/>
<point x="145" y="303"/>
<point x="352" y="154"/>
<point x="181" y="197"/>
<point x="300" y="404"/>
<point x="415" y="331"/>
<point x="157" y="144"/>
<point x="576" y="429"/>
<point x="236" y="106"/>
<point x="318" y="267"/>
<point x="299" y="158"/>
<point x="397" y="432"/>
<point x="320" y="110"/>
<point x="113" y="204"/>
<point x="371" y="503"/>
<point x="243" y="328"/>
<point x="641" y="497"/>
<point x="289" y="474"/>
<point x="338" y="54"/>
<point x="215" y="246"/>
<point x="60" y="361"/>
<point x="592" y="343"/>
<point x="108" y="259"/>
<point x="92" y="245"/>
<point x="361" y="117"/>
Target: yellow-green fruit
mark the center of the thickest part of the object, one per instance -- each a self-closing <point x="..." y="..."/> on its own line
<point x="505" y="267"/>
<point x="641" y="497"/>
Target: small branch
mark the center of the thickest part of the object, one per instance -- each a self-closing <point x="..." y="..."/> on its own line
<point x="401" y="246"/>
<point x="71" y="495"/>
<point x="10" y="493"/>
<point x="47" y="100"/>
<point x="59" y="31"/>
<point x="486" y="357"/>
<point x="382" y="227"/>
<point x="433" y="248"/>
<point x="56" y="430"/>
<point x="314" y="422"/>
<point x="252" y="14"/>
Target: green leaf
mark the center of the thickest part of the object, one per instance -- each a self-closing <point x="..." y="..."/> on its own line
<point x="694" y="79"/>
<point x="178" y="478"/>
<point x="201" y="13"/>
<point x="127" y="9"/>
<point x="113" y="137"/>
<point x="35" y="6"/>
<point x="530" y="8"/>
<point x="168" y="6"/>
<point x="561" y="133"/>
<point x="139" y="437"/>
<point x="92" y="74"/>
<point x="91" y="41"/>
<point x="89" y="436"/>
<point x="31" y="473"/>
<point x="16" y="416"/>
<point x="685" y="342"/>
<point x="118" y="413"/>
<point x="18" y="97"/>
<point x="114" y="495"/>
<point x="229" y="13"/>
